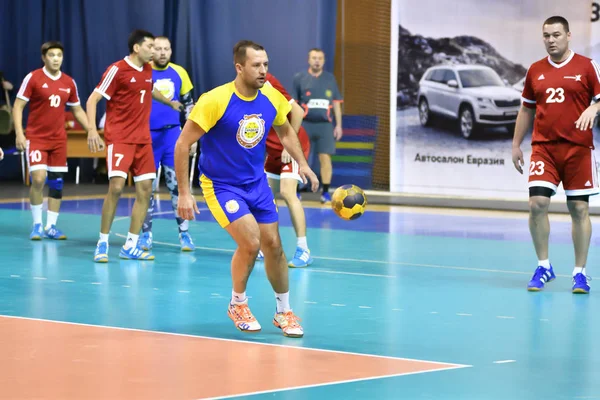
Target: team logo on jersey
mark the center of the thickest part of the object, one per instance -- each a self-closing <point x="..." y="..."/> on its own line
<point x="328" y="93"/>
<point x="251" y="130"/>
<point x="166" y="87"/>
<point x="232" y="206"/>
<point x="577" y="78"/>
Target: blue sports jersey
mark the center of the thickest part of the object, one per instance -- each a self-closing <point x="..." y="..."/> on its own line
<point x="172" y="82"/>
<point x="233" y="148"/>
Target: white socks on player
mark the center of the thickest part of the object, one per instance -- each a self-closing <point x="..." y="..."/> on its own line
<point x="238" y="298"/>
<point x="131" y="241"/>
<point x="544" y="263"/>
<point x="302" y="243"/>
<point x="103" y="237"/>
<point x="185" y="226"/>
<point x="51" y="218"/>
<point x="578" y="270"/>
<point x="283" y="302"/>
<point x="36" y="211"/>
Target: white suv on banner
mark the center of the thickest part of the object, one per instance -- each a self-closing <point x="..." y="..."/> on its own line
<point x="475" y="95"/>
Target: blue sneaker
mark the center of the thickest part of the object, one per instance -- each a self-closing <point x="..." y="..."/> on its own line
<point x="260" y="256"/>
<point x="135" y="253"/>
<point x="301" y="258"/>
<point x="580" y="284"/>
<point x="186" y="242"/>
<point x="54" y="233"/>
<point x="145" y="241"/>
<point x="37" y="232"/>
<point x="101" y="253"/>
<point x="541" y="276"/>
<point x="325" y="197"/>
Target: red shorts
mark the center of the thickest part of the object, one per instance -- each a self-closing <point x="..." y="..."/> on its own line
<point x="49" y="156"/>
<point x="275" y="169"/>
<point x="573" y="165"/>
<point x="137" y="158"/>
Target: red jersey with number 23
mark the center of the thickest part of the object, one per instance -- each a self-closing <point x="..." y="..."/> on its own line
<point x="560" y="93"/>
<point x="128" y="91"/>
<point x="47" y="96"/>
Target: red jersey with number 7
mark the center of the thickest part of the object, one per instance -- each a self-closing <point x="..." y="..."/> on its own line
<point x="128" y="91"/>
<point x="560" y="93"/>
<point x="47" y="95"/>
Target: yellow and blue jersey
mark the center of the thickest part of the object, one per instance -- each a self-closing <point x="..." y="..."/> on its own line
<point x="173" y="82"/>
<point x="233" y="148"/>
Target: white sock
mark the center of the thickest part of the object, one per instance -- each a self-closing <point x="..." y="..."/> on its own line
<point x="283" y="302"/>
<point x="103" y="237"/>
<point x="544" y="263"/>
<point x="36" y="211"/>
<point x="131" y="240"/>
<point x="578" y="270"/>
<point x="302" y="243"/>
<point x="51" y="218"/>
<point x="238" y="298"/>
<point x="185" y="226"/>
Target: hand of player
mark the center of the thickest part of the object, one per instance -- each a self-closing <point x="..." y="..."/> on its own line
<point x="177" y="106"/>
<point x="95" y="142"/>
<point x="193" y="149"/>
<point x="6" y="85"/>
<point x="338" y="133"/>
<point x="285" y="157"/>
<point x="21" y="142"/>
<point x="307" y="174"/>
<point x="586" y="120"/>
<point x="187" y="207"/>
<point x="1" y="153"/>
<point x="517" y="159"/>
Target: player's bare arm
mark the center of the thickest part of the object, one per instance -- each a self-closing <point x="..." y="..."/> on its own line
<point x="18" y="108"/>
<point x="297" y="115"/>
<point x="337" y="110"/>
<point x="95" y="142"/>
<point x="157" y="95"/>
<point x="81" y="117"/>
<point x="190" y="134"/>
<point x="524" y="121"/>
<point x="290" y="142"/>
<point x="587" y="118"/>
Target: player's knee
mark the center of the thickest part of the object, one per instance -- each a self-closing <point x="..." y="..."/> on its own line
<point x="271" y="243"/>
<point x="38" y="180"/>
<point x="55" y="185"/>
<point x="251" y="246"/>
<point x="115" y="187"/>
<point x="288" y="193"/>
<point x="144" y="189"/>
<point x="579" y="210"/>
<point x="538" y="205"/>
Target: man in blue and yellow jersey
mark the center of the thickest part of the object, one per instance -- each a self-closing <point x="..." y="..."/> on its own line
<point x="232" y="122"/>
<point x="174" y="83"/>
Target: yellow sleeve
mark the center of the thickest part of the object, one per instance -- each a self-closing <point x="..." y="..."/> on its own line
<point x="280" y="103"/>
<point x="211" y="106"/>
<point x="186" y="83"/>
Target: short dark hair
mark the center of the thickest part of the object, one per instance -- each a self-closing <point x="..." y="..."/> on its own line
<point x="318" y="50"/>
<point x="558" y="20"/>
<point x="163" y="37"/>
<point x="137" y="37"/>
<point x="239" y="50"/>
<point x="53" y="44"/>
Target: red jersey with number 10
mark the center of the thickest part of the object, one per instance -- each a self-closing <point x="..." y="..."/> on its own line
<point x="128" y="91"/>
<point x="47" y="96"/>
<point x="560" y="93"/>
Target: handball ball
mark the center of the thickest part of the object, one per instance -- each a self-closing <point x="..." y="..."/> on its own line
<point x="349" y="202"/>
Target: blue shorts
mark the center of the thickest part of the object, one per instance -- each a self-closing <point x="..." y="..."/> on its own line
<point x="163" y="145"/>
<point x="228" y="203"/>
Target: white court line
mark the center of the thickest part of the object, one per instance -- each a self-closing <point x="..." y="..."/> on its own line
<point x="449" y="365"/>
<point x="357" y="260"/>
<point x="504" y="361"/>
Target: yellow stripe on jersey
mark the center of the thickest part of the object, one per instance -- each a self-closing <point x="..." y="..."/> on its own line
<point x="282" y="106"/>
<point x="210" y="197"/>
<point x="186" y="83"/>
<point x="211" y="106"/>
